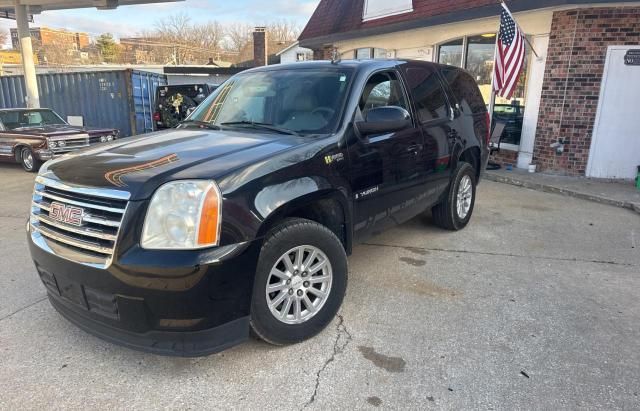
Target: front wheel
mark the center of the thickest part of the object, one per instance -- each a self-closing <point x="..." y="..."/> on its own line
<point x="28" y="160"/>
<point x="300" y="282"/>
<point x="454" y="212"/>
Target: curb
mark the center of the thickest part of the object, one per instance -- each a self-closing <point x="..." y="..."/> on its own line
<point x="563" y="191"/>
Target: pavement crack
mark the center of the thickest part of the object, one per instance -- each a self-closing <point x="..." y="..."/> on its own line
<point x="343" y="338"/>
<point x="542" y="257"/>
<point x="23" y="308"/>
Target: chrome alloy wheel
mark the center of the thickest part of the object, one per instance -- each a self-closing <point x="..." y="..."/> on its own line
<point x="27" y="158"/>
<point x="299" y="284"/>
<point x="464" y="197"/>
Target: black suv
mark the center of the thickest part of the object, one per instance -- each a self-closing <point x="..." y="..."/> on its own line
<point x="181" y="241"/>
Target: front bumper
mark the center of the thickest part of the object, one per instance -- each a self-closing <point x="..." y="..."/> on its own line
<point x="191" y="309"/>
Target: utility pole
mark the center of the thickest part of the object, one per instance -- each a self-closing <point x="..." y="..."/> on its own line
<point x="26" y="48"/>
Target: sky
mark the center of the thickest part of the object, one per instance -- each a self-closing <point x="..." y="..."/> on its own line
<point x="130" y="20"/>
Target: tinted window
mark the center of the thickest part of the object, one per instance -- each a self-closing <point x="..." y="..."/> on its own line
<point x="383" y="89"/>
<point x="465" y="90"/>
<point x="427" y="91"/>
<point x="304" y="101"/>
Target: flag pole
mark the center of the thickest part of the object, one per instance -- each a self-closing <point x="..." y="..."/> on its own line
<point x="502" y="3"/>
<point x="492" y="98"/>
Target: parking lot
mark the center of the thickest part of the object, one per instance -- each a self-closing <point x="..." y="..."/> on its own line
<point x="534" y="306"/>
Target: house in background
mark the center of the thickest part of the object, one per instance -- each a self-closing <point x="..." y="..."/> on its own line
<point x="294" y="52"/>
<point x="574" y="109"/>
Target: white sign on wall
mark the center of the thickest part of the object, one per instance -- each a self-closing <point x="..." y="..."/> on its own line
<point x="375" y="9"/>
<point x="416" y="53"/>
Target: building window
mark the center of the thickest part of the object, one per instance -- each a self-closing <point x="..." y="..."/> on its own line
<point x="363" y="53"/>
<point x="366" y="53"/>
<point x="375" y="9"/>
<point x="379" y="53"/>
<point x="451" y="53"/>
<point x="476" y="55"/>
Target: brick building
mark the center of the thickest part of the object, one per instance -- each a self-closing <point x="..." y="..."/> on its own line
<point x="46" y="36"/>
<point x="574" y="109"/>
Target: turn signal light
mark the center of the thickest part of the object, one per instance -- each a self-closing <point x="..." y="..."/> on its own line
<point x="209" y="230"/>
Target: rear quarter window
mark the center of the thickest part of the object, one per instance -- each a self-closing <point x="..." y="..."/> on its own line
<point x="465" y="90"/>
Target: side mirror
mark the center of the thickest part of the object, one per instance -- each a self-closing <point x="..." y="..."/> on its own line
<point x="385" y="119"/>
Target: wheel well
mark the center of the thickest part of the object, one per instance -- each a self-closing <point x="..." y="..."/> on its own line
<point x="328" y="212"/>
<point x="472" y="156"/>
<point x="17" y="149"/>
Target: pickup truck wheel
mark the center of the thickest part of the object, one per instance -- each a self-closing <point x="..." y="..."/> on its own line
<point x="455" y="211"/>
<point x="300" y="282"/>
<point x="28" y="160"/>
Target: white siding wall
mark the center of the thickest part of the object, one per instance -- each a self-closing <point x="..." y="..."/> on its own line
<point x="290" y="56"/>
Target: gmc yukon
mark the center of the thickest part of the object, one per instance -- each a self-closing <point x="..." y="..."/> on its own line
<point x="180" y="242"/>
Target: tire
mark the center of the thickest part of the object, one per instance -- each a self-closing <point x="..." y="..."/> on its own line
<point x="28" y="160"/>
<point x="291" y="238"/>
<point x="446" y="214"/>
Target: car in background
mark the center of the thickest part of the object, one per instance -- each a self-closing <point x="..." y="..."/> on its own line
<point x="33" y="136"/>
<point x="512" y="115"/>
<point x="174" y="103"/>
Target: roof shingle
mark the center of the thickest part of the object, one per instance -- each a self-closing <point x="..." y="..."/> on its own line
<point x="341" y="16"/>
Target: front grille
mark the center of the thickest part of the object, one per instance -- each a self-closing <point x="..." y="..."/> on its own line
<point x="94" y="240"/>
<point x="73" y="144"/>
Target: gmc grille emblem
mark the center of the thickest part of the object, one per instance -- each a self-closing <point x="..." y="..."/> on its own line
<point x="66" y="213"/>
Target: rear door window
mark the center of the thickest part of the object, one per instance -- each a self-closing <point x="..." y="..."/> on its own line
<point x="465" y="90"/>
<point x="426" y="87"/>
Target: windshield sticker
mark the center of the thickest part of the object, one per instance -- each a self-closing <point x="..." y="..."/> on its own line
<point x="343" y="78"/>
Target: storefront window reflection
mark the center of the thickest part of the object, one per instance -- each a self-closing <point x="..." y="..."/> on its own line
<point x="479" y="61"/>
<point x="451" y="53"/>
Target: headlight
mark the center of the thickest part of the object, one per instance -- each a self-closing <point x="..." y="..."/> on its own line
<point x="109" y="138"/>
<point x="184" y="215"/>
<point x="103" y="139"/>
<point x="53" y="144"/>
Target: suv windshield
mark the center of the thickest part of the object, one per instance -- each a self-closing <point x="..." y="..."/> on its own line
<point x="299" y="101"/>
<point x="13" y="120"/>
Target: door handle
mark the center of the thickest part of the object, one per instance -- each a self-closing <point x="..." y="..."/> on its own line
<point x="414" y="148"/>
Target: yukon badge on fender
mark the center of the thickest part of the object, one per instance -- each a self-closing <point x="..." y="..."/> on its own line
<point x="241" y="218"/>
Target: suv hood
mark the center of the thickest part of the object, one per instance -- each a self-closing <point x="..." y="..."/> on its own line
<point x="140" y="164"/>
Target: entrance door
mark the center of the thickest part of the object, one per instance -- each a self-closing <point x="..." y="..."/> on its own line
<point x="615" y="146"/>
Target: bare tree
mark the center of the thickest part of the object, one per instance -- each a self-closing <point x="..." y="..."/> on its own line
<point x="209" y="35"/>
<point x="238" y="36"/>
<point x="187" y="42"/>
<point x="283" y="31"/>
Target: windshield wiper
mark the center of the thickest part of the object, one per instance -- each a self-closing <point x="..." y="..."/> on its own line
<point x="264" y="126"/>
<point x="201" y="124"/>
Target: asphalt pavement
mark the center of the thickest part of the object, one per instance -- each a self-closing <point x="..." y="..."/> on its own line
<point x="535" y="305"/>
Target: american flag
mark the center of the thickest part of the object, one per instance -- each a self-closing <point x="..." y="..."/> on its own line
<point x="509" y="55"/>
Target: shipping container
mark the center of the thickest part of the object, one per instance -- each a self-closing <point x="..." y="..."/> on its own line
<point x="122" y="99"/>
